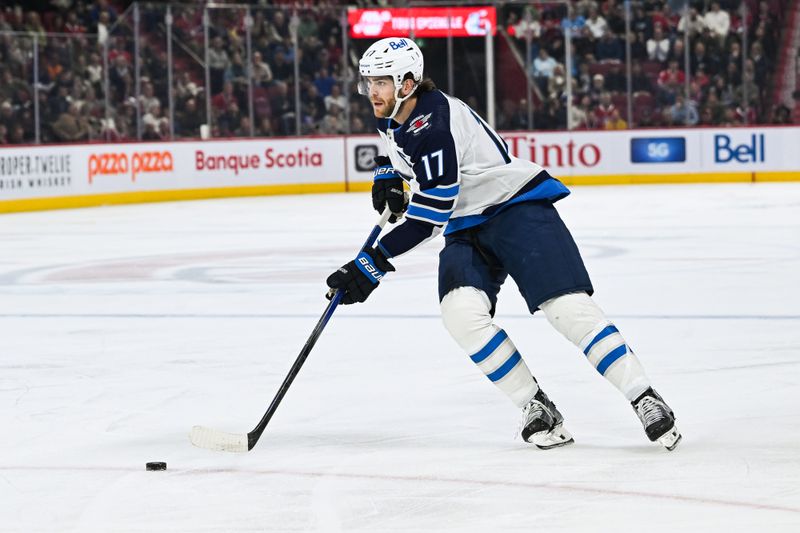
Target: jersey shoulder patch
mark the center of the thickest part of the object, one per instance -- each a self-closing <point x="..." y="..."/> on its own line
<point x="430" y="118"/>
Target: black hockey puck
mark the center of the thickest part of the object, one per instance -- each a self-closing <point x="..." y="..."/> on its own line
<point x="156" y="466"/>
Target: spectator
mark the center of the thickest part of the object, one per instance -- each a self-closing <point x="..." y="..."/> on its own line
<point x="315" y="102"/>
<point x="94" y="71"/>
<point x="230" y="119"/>
<point x="147" y="100"/>
<point x="718" y="21"/>
<point x="543" y="67"/>
<point x="357" y="125"/>
<point x="658" y="46"/>
<point x="103" y="28"/>
<point x="511" y="116"/>
<point x="282" y="108"/>
<point x="641" y="23"/>
<point x="11" y="88"/>
<point x="781" y="115"/>
<point x="615" y="79"/>
<point x="582" y="114"/>
<point x="574" y="21"/>
<point x="324" y="82"/>
<point x="663" y="16"/>
<point x="335" y="98"/>
<point x="185" y="88"/>
<point x="699" y="58"/>
<point x="333" y="123"/>
<point x="70" y="126"/>
<point x="188" y="120"/>
<point x="638" y="47"/>
<point x="237" y="72"/>
<point x="640" y="82"/>
<point x="609" y="47"/>
<point x="281" y="68"/>
<point x="121" y="77"/>
<point x="693" y="21"/>
<point x="597" y="25"/>
<point x="603" y="111"/>
<point x="616" y="122"/>
<point x="17" y="135"/>
<point x="584" y="78"/>
<point x="73" y="24"/>
<point x="760" y="63"/>
<point x="7" y="115"/>
<point x="747" y="93"/>
<point x="557" y="83"/>
<point x="243" y="129"/>
<point x="264" y="128"/>
<point x="714" y="107"/>
<point x="278" y="28"/>
<point x="519" y="28"/>
<point x="678" y="52"/>
<point x="262" y="73"/>
<point x="223" y="100"/>
<point x="153" y="119"/>
<point x="706" y="116"/>
<point x="683" y="112"/>
<point x="218" y="62"/>
<point x="597" y="89"/>
<point x="670" y="81"/>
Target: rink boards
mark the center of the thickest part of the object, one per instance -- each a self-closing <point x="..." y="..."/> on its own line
<point x="61" y="176"/>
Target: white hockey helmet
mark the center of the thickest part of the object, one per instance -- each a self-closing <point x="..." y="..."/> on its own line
<point x="394" y="57"/>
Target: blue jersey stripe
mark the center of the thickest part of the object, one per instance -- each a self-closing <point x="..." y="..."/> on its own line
<point x="490" y="347"/>
<point x="609" y="330"/>
<point x="505" y="368"/>
<point x="610" y="358"/>
<point x="435" y="216"/>
<point x="440" y="192"/>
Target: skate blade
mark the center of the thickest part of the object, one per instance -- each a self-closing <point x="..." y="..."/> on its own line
<point x="555" y="438"/>
<point x="670" y="439"/>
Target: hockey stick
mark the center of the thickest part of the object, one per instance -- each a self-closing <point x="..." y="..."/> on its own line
<point x="213" y="439"/>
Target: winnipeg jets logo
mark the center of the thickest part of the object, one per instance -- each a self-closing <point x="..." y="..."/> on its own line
<point x="420" y="123"/>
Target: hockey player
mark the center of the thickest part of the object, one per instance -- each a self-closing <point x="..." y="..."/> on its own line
<point x="498" y="219"/>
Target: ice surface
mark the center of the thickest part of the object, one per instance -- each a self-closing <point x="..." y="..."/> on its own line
<point x="122" y="327"/>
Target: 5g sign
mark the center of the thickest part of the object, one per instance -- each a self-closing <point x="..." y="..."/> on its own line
<point x="658" y="150"/>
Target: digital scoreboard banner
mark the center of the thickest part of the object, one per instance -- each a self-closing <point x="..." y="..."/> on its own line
<point x="474" y="21"/>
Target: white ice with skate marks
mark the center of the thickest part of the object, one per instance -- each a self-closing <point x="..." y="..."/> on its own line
<point x="121" y="328"/>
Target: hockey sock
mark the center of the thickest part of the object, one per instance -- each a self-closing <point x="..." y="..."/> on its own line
<point x="583" y="323"/>
<point x="466" y="315"/>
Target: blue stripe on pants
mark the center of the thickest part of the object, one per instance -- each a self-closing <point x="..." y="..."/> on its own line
<point x="609" y="359"/>
<point x="490" y="347"/>
<point x="505" y="368"/>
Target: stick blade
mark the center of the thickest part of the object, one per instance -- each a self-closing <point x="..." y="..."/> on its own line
<point x="221" y="441"/>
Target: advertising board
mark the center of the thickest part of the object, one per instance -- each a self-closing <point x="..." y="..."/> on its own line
<point x="45" y="177"/>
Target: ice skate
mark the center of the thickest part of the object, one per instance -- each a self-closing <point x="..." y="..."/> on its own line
<point x="543" y="425"/>
<point x="657" y="418"/>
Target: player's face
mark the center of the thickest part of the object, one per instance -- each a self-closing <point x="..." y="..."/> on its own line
<point x="380" y="91"/>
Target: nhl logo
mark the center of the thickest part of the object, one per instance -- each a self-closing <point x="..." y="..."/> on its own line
<point x="365" y="155"/>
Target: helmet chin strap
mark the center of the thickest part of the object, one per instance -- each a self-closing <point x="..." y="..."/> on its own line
<point x="399" y="101"/>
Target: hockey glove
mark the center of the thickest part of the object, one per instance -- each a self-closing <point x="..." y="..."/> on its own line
<point x="388" y="189"/>
<point x="359" y="277"/>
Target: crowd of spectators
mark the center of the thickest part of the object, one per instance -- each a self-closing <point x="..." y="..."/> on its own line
<point x="723" y="90"/>
<point x="74" y="35"/>
<point x="71" y="89"/>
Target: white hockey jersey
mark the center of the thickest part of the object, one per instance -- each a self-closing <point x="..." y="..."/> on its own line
<point x="459" y="169"/>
